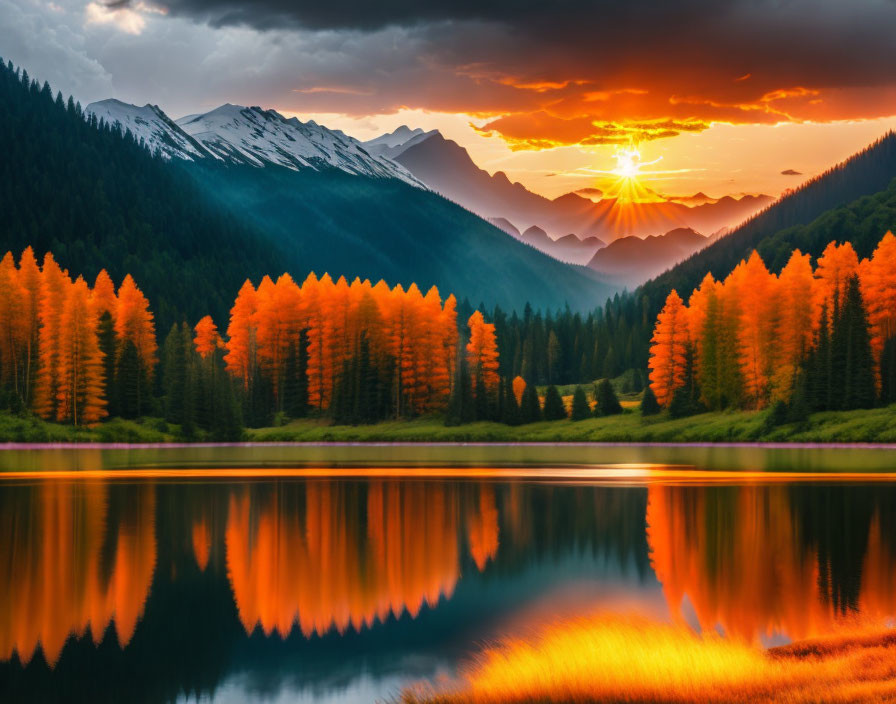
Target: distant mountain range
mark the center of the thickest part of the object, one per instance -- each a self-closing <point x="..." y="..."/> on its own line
<point x="447" y="168"/>
<point x="567" y="249"/>
<point x="630" y="261"/>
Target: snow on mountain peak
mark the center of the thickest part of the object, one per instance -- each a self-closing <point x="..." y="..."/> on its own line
<point x="248" y="135"/>
<point x="150" y="124"/>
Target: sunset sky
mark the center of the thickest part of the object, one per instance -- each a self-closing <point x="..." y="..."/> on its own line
<point x="720" y="97"/>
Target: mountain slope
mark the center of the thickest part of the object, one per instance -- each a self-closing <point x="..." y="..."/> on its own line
<point x="158" y="132"/>
<point x="394" y="143"/>
<point x="97" y="199"/>
<point x="866" y="173"/>
<point x="384" y="228"/>
<point x="629" y="261"/>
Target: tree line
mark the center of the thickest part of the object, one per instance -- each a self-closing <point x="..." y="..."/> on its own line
<point x="806" y="339"/>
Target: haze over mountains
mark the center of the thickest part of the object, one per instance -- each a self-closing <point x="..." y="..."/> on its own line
<point x="630" y="261"/>
<point x="574" y="226"/>
<point x="447" y="168"/>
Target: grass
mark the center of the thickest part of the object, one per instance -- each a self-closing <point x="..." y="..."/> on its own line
<point x="874" y="425"/>
<point x="615" y="659"/>
<point x="31" y="429"/>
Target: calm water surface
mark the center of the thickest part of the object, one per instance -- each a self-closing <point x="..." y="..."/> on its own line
<point x="346" y="590"/>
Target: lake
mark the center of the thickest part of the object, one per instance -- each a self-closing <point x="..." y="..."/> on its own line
<point x="352" y="572"/>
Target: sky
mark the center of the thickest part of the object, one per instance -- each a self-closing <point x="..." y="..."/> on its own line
<point x="741" y="96"/>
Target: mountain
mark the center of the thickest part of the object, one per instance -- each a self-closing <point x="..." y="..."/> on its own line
<point x="630" y="261"/>
<point x="158" y="132"/>
<point x="385" y="228"/>
<point x="394" y="143"/>
<point x="446" y="167"/>
<point x="567" y="249"/>
<point x="777" y="230"/>
<point x="505" y="225"/>
<point x="239" y="135"/>
<point x="97" y="199"/>
<point x="191" y="231"/>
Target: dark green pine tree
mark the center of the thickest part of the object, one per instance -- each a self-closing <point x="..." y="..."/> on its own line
<point x="607" y="404"/>
<point x="852" y="344"/>
<point x="686" y="401"/>
<point x="178" y="383"/>
<point x="553" y="405"/>
<point x="818" y="366"/>
<point x="530" y="408"/>
<point x="482" y="406"/>
<point x="227" y="425"/>
<point x="510" y="409"/>
<point x="888" y="373"/>
<point x="345" y="395"/>
<point x="460" y="405"/>
<point x="295" y="383"/>
<point x="637" y="381"/>
<point x="800" y="405"/>
<point x="106" y="335"/>
<point x="649" y="405"/>
<point x="131" y="383"/>
<point x="580" y="408"/>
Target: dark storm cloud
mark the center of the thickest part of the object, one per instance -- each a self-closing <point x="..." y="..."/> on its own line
<point x="575" y="72"/>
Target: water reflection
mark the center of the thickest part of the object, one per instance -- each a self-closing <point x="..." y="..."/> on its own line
<point x="765" y="562"/>
<point x="71" y="568"/>
<point x="174" y="589"/>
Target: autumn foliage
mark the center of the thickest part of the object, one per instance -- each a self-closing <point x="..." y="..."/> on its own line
<point x="318" y="328"/>
<point x="51" y="356"/>
<point x="747" y="337"/>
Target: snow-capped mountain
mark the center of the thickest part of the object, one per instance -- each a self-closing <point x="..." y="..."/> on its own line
<point x="394" y="143"/>
<point x="158" y="131"/>
<point x="236" y="134"/>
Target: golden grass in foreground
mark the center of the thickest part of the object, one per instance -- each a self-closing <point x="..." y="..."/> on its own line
<point x="614" y="659"/>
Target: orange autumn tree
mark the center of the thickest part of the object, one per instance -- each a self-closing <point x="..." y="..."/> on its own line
<point x="878" y="279"/>
<point x="310" y="336"/>
<point x="30" y="280"/>
<point x="136" y="348"/>
<point x="241" y="333"/>
<point x="54" y="287"/>
<point x="774" y="323"/>
<point x="519" y="386"/>
<point x="13" y="326"/>
<point x="835" y="265"/>
<point x="80" y="366"/>
<point x="482" y="353"/>
<point x="58" y="344"/>
<point x="668" y="353"/>
<point x="207" y="339"/>
<point x="797" y="320"/>
<point x="756" y="333"/>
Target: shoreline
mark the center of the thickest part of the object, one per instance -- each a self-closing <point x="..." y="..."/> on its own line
<point x="597" y="444"/>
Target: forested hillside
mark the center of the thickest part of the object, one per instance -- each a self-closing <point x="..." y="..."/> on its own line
<point x="386" y="229"/>
<point x="866" y="173"/>
<point x="97" y="199"/>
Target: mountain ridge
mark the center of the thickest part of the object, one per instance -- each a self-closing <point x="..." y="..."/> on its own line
<point x="248" y="135"/>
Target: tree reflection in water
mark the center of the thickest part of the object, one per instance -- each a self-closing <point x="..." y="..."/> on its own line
<point x="145" y="591"/>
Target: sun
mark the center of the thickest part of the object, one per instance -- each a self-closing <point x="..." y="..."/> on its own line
<point x="628" y="163"/>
